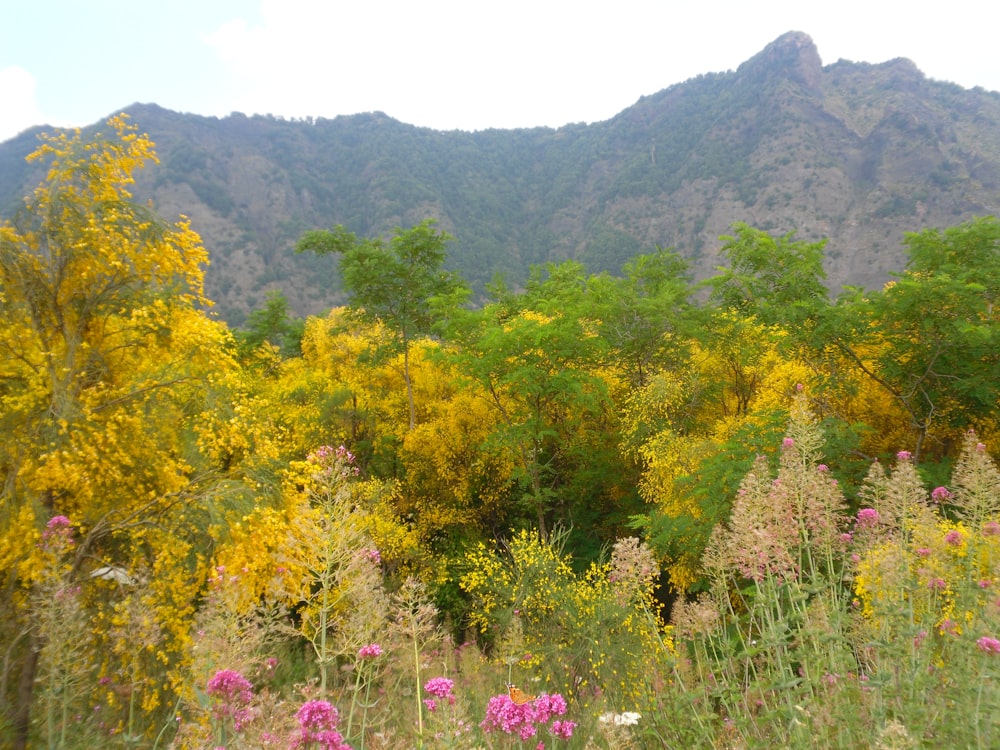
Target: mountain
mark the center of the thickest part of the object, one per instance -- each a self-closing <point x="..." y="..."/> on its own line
<point x="854" y="152"/>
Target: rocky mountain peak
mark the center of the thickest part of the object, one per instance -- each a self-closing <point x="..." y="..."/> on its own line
<point x="793" y="55"/>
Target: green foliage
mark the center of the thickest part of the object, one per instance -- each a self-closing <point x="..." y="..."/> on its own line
<point x="779" y="280"/>
<point x="394" y="285"/>
<point x="274" y="325"/>
<point x="931" y="338"/>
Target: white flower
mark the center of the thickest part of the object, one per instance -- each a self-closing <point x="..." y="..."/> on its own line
<point x="627" y="719"/>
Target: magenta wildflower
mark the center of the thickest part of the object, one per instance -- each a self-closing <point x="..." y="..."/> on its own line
<point x="904" y="455"/>
<point x="991" y="529"/>
<point x="431" y="704"/>
<point x="923" y="551"/>
<point x="233" y="694"/>
<point x="57" y="522"/>
<point x="940" y="494"/>
<point x="867" y="518"/>
<point x="937" y="584"/>
<point x="370" y="651"/>
<point x="953" y="538"/>
<point x="317" y="715"/>
<point x="58" y="535"/>
<point x="989" y="645"/>
<point x="562" y="729"/>
<point x="318" y="727"/>
<point x="230" y="686"/>
<point x="522" y="720"/>
<point x="440" y="687"/>
<point x="788" y="443"/>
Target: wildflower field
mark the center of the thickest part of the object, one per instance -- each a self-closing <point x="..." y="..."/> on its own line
<point x="816" y="629"/>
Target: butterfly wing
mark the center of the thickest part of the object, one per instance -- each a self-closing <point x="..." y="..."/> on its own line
<point x="518" y="696"/>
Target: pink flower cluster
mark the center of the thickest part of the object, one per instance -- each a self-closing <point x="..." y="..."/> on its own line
<point x="940" y="494"/>
<point x="440" y="688"/>
<point x="370" y="651"/>
<point x="58" y="535"/>
<point x="502" y="714"/>
<point x="318" y="727"/>
<point x="334" y="461"/>
<point x="233" y="694"/>
<point x="989" y="645"/>
<point x="867" y="518"/>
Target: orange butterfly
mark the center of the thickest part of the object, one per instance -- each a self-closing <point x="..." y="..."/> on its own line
<point x="518" y="696"/>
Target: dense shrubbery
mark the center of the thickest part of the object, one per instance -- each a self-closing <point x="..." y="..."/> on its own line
<point x="666" y="521"/>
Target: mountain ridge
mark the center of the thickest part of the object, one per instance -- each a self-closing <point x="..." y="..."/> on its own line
<point x="855" y="152"/>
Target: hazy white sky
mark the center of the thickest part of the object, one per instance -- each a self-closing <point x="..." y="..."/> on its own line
<point x="443" y="64"/>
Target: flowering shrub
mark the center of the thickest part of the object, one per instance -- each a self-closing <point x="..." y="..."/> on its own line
<point x="599" y="632"/>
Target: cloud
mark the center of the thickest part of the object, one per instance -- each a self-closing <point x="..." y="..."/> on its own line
<point x="20" y="109"/>
<point x="448" y="64"/>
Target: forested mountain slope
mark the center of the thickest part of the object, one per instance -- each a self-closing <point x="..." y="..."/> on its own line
<point x="854" y="152"/>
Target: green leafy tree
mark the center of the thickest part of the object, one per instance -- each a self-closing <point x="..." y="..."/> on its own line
<point x="273" y="324"/>
<point x="646" y="316"/>
<point x="394" y="283"/>
<point x="931" y="338"/>
<point x="535" y="355"/>
<point x="777" y="279"/>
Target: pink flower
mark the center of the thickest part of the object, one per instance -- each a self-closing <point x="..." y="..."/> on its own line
<point x="370" y="651"/>
<point x="317" y="715"/>
<point x="57" y="522"/>
<point x="989" y="645"/>
<point x="940" y="494"/>
<point x="923" y="551"/>
<point x="953" y="538"/>
<point x="431" y="704"/>
<point x="233" y="693"/>
<point x="523" y="720"/>
<point x="937" y="584"/>
<point x="230" y="686"/>
<point x="439" y="687"/>
<point x="562" y="729"/>
<point x="867" y="518"/>
<point x="788" y="443"/>
<point x="904" y="455"/>
<point x="991" y="529"/>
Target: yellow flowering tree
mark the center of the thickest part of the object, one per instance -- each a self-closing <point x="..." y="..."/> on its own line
<point x="107" y="360"/>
